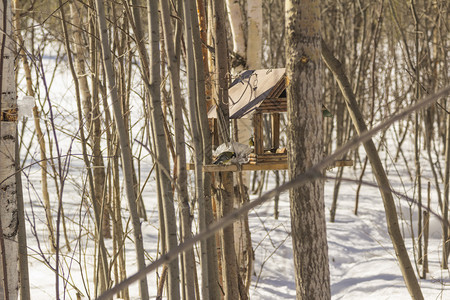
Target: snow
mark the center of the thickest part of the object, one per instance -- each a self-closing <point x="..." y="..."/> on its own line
<point x="362" y="259"/>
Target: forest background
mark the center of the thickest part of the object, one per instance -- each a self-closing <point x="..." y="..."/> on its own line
<point x="94" y="151"/>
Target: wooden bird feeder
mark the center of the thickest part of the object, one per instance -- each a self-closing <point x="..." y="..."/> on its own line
<point x="252" y="95"/>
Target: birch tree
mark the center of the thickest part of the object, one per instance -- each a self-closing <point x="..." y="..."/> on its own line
<point x="305" y="138"/>
<point x="8" y="201"/>
<point x="254" y="40"/>
<point x="237" y="26"/>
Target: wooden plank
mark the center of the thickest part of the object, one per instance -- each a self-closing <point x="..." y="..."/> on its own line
<point x="258" y="133"/>
<point x="343" y="163"/>
<point x="279" y="109"/>
<point x="273" y="104"/>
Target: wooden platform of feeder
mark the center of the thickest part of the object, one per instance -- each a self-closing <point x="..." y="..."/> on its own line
<point x="259" y="166"/>
<point x="242" y="167"/>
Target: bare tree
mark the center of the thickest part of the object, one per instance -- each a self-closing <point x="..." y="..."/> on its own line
<point x="225" y="193"/>
<point x="305" y="138"/>
<point x="380" y="175"/>
<point x="124" y="145"/>
<point x="180" y="150"/>
<point x="210" y="289"/>
<point x="8" y="202"/>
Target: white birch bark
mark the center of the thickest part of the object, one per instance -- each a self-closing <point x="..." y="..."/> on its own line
<point x="237" y="25"/>
<point x="8" y="200"/>
<point x="251" y="54"/>
<point x="254" y="40"/>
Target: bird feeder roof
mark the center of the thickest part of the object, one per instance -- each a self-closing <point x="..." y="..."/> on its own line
<point x="251" y="89"/>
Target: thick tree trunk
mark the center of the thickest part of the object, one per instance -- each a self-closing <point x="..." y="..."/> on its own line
<point x="305" y="139"/>
<point x="8" y="201"/>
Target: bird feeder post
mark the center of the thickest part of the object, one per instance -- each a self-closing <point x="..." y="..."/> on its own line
<point x="275" y="130"/>
<point x="214" y="133"/>
<point x="258" y="133"/>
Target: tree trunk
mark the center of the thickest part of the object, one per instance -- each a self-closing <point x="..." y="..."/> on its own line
<point x="255" y="30"/>
<point x="92" y="115"/>
<point x="235" y="17"/>
<point x="305" y="139"/>
<point x="166" y="206"/>
<point x="181" y="172"/>
<point x="24" y="276"/>
<point x="199" y="31"/>
<point x="8" y="135"/>
<point x="226" y="189"/>
<point x="445" y="234"/>
<point x="246" y="55"/>
<point x="103" y="265"/>
<point x="195" y="73"/>
<point x="124" y="145"/>
<point x="39" y="133"/>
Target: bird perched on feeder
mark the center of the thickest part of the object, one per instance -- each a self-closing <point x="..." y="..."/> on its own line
<point x="326" y="112"/>
<point x="251" y="141"/>
<point x="224" y="158"/>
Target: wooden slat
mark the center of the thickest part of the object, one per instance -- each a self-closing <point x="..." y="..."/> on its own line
<point x="258" y="133"/>
<point x="271" y="110"/>
<point x="343" y="163"/>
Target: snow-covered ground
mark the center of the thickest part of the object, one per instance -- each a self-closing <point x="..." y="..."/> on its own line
<point x="362" y="259"/>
